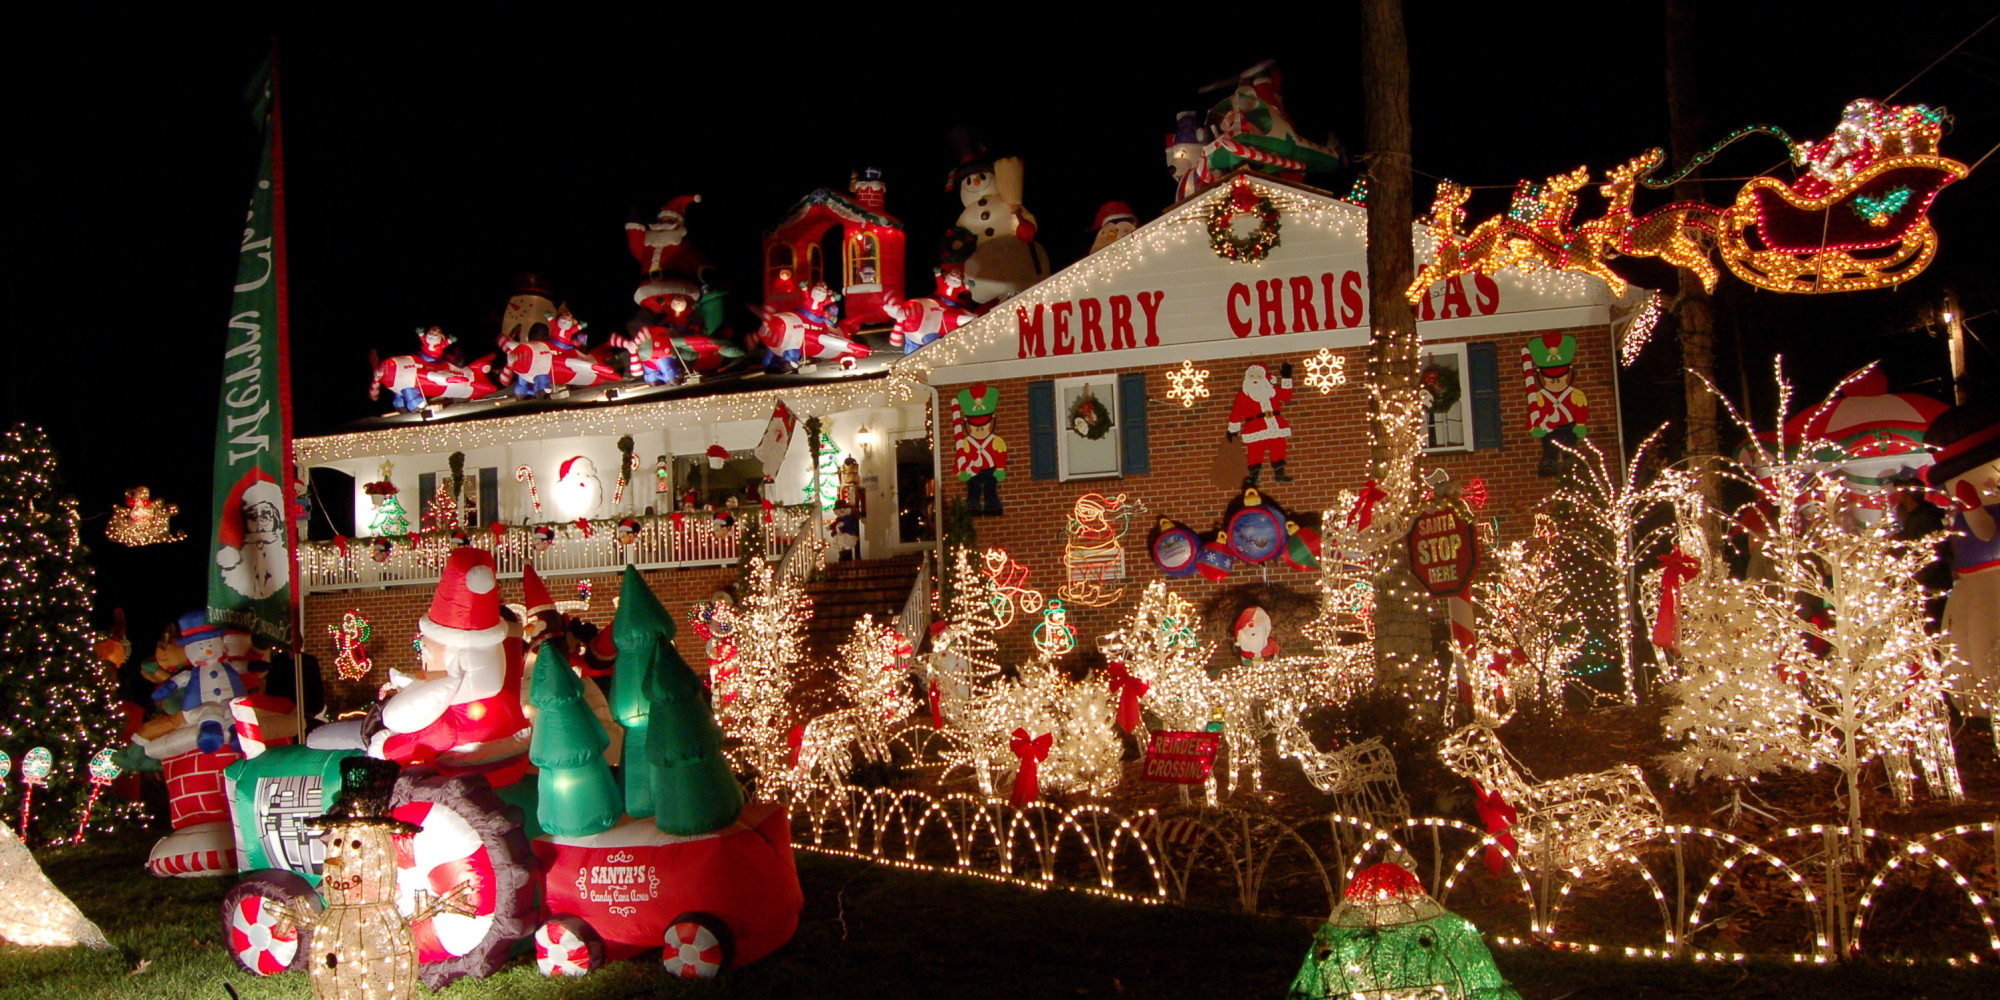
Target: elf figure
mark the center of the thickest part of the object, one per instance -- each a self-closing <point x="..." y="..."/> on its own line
<point x="1255" y="418"/>
<point x="979" y="455"/>
<point x="1557" y="410"/>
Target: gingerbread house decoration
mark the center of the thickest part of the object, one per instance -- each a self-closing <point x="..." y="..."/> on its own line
<point x="844" y="239"/>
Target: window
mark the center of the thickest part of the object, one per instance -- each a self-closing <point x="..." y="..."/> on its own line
<point x="478" y="497"/>
<point x="815" y="268"/>
<point x="863" y="261"/>
<point x="778" y="266"/>
<point x="1087" y="438"/>
<point x="1444" y="372"/>
<point x="697" y="484"/>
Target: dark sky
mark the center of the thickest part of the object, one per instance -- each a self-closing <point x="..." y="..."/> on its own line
<point x="426" y="167"/>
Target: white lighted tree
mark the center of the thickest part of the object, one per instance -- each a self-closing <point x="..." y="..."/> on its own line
<point x="770" y="648"/>
<point x="1529" y="631"/>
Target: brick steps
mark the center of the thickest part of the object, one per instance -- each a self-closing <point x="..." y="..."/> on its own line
<point x="851" y="590"/>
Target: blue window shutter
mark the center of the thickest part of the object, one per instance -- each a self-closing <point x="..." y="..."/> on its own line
<point x="427" y="484"/>
<point x="1484" y="360"/>
<point x="1134" y="460"/>
<point x="489" y="496"/>
<point x="1042" y="430"/>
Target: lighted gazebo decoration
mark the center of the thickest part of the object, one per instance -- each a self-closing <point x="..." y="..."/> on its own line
<point x="845" y="240"/>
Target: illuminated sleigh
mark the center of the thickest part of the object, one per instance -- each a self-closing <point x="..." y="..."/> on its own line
<point x="1872" y="231"/>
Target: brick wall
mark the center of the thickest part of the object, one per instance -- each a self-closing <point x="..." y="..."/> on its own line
<point x="394" y="612"/>
<point x="1328" y="452"/>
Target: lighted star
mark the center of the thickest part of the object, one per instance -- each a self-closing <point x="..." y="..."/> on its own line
<point x="1188" y="384"/>
<point x="1326" y="370"/>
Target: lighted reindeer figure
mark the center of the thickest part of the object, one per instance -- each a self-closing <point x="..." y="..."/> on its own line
<point x="1535" y="234"/>
<point x="1361" y="777"/>
<point x="1682" y="234"/>
<point x="1573" y="822"/>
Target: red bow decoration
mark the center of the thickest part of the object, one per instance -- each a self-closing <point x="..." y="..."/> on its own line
<point x="795" y="739"/>
<point x="1364" y="506"/>
<point x="766" y="503"/>
<point x="676" y="518"/>
<point x="340" y="545"/>
<point x="1498" y="816"/>
<point x="584" y="524"/>
<point x="1129" y="690"/>
<point x="499" y="529"/>
<point x="1676" y="568"/>
<point x="937" y="711"/>
<point x="1027" y="780"/>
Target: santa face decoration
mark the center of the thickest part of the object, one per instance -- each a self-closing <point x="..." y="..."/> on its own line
<point x="578" y="491"/>
<point x="252" y="558"/>
<point x="1253" y="634"/>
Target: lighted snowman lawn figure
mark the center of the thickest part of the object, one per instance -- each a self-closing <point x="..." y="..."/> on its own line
<point x="1388" y="940"/>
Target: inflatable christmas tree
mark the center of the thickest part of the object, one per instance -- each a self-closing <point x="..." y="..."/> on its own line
<point x="578" y="795"/>
<point x="693" y="791"/>
<point x="635" y="641"/>
<point x="1389" y="939"/>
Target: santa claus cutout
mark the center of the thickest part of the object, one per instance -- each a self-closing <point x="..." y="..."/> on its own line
<point x="1255" y="418"/>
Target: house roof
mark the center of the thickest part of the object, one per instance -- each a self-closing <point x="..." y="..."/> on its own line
<point x="837" y="203"/>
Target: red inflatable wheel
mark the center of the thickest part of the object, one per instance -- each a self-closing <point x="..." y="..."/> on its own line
<point x="263" y="937"/>
<point x="698" y="946"/>
<point x="566" y="946"/>
<point x="468" y="837"/>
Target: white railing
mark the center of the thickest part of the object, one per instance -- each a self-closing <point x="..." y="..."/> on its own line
<point x="662" y="541"/>
<point x="915" y="619"/>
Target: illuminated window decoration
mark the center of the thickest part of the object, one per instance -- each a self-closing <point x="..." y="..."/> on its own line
<point x="1326" y="371"/>
<point x="38" y="915"/>
<point x="1093" y="553"/>
<point x="142" y="520"/>
<point x="1565" y="823"/>
<point x="350" y="659"/>
<point x="1389" y="940"/>
<point x="525" y="474"/>
<point x="1766" y="687"/>
<point x="1011" y="593"/>
<point x="1244" y="227"/>
<point x="1054" y="637"/>
<point x="1187" y="383"/>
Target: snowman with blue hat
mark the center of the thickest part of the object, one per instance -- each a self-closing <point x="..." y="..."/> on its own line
<point x="201" y="691"/>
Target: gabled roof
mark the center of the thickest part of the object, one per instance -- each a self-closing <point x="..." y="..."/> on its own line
<point x="837" y="203"/>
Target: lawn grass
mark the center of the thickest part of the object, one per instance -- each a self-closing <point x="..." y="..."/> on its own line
<point x="873" y="931"/>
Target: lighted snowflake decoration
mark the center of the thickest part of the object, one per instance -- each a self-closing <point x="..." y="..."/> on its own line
<point x="1188" y="383"/>
<point x="1326" y="370"/>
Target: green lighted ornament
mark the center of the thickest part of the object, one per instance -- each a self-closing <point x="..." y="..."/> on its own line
<point x="1389" y="940"/>
<point x="6" y="765"/>
<point x="104" y="767"/>
<point x="36" y="765"/>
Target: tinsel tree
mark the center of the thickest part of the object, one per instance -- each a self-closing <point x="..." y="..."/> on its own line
<point x="1828" y="663"/>
<point x="1159" y="644"/>
<point x="771" y="621"/>
<point x="52" y="693"/>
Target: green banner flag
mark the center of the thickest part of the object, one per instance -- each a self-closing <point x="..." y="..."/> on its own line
<point x="250" y="576"/>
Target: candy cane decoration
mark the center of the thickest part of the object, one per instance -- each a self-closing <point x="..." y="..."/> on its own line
<point x="35" y="768"/>
<point x="103" y="771"/>
<point x="527" y="475"/>
<point x="352" y="660"/>
<point x="1463" y="637"/>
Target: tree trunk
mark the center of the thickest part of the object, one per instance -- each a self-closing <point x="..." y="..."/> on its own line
<point x="1402" y="619"/>
<point x="1692" y="307"/>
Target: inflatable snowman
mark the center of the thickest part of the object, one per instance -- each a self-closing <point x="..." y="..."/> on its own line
<point x="995" y="235"/>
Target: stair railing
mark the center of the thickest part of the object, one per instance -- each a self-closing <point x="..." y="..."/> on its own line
<point x="806" y="553"/>
<point x="915" y="618"/>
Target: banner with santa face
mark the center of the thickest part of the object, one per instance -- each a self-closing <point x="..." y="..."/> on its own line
<point x="250" y="569"/>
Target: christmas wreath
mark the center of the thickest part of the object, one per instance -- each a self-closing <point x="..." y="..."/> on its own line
<point x="1222" y="236"/>
<point x="1088" y="418"/>
<point x="1441" y="385"/>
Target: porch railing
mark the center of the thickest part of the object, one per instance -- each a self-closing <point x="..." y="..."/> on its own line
<point x="704" y="538"/>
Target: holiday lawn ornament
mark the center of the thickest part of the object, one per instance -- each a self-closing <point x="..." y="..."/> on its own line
<point x="578" y="796"/>
<point x="37" y="914"/>
<point x="1872" y="436"/>
<point x="1093" y="553"/>
<point x="1558" y="411"/>
<point x="537" y="367"/>
<point x="1858" y="218"/>
<point x="381" y="549"/>
<point x="528" y="310"/>
<point x="800" y="338"/>
<point x="1251" y="129"/>
<point x="413" y="380"/>
<point x="35" y="767"/>
<point x="1256" y="419"/>
<point x="1966" y="469"/>
<point x="1302" y="545"/>
<point x="104" y="770"/>
<point x="350" y="636"/>
<point x="1255" y="525"/>
<point x="1030" y="752"/>
<point x="1054" y="636"/>
<point x="1215" y="560"/>
<point x="1244" y="226"/>
<point x="1251" y="635"/>
<point x="1564" y="823"/>
<point x="1443" y="552"/>
<point x="1128" y="688"/>
<point x="466" y="713"/>
<point x="979" y="454"/>
<point x="673" y="345"/>
<point x="1115" y="220"/>
<point x="142" y="520"/>
<point x="198" y="694"/>
<point x="1174" y="547"/>
<point x="994" y="238"/>
<point x="1389" y="939"/>
<point x="1360" y="776"/>
<point x="668" y="265"/>
<point x="1010" y="586"/>
<point x="1180" y="757"/>
<point x="921" y="321"/>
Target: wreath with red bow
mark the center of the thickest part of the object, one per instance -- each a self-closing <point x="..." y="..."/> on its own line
<point x="1243" y="200"/>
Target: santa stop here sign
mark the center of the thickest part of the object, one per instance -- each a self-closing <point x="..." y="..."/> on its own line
<point x="1443" y="553"/>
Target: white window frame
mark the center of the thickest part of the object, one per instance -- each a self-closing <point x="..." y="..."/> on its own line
<point x="1106" y="387"/>
<point x="1460" y="410"/>
<point x="471" y="488"/>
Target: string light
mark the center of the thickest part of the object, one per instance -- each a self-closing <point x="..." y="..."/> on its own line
<point x="1565" y="823"/>
<point x="1326" y="371"/>
<point x="1092" y="553"/>
<point x="1010" y="590"/>
<point x="350" y="659"/>
<point x="1187" y="383"/>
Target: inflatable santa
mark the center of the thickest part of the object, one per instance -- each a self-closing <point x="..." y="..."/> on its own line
<point x="464" y="712"/>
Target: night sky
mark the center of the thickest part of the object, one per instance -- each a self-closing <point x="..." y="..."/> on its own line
<point x="424" y="168"/>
